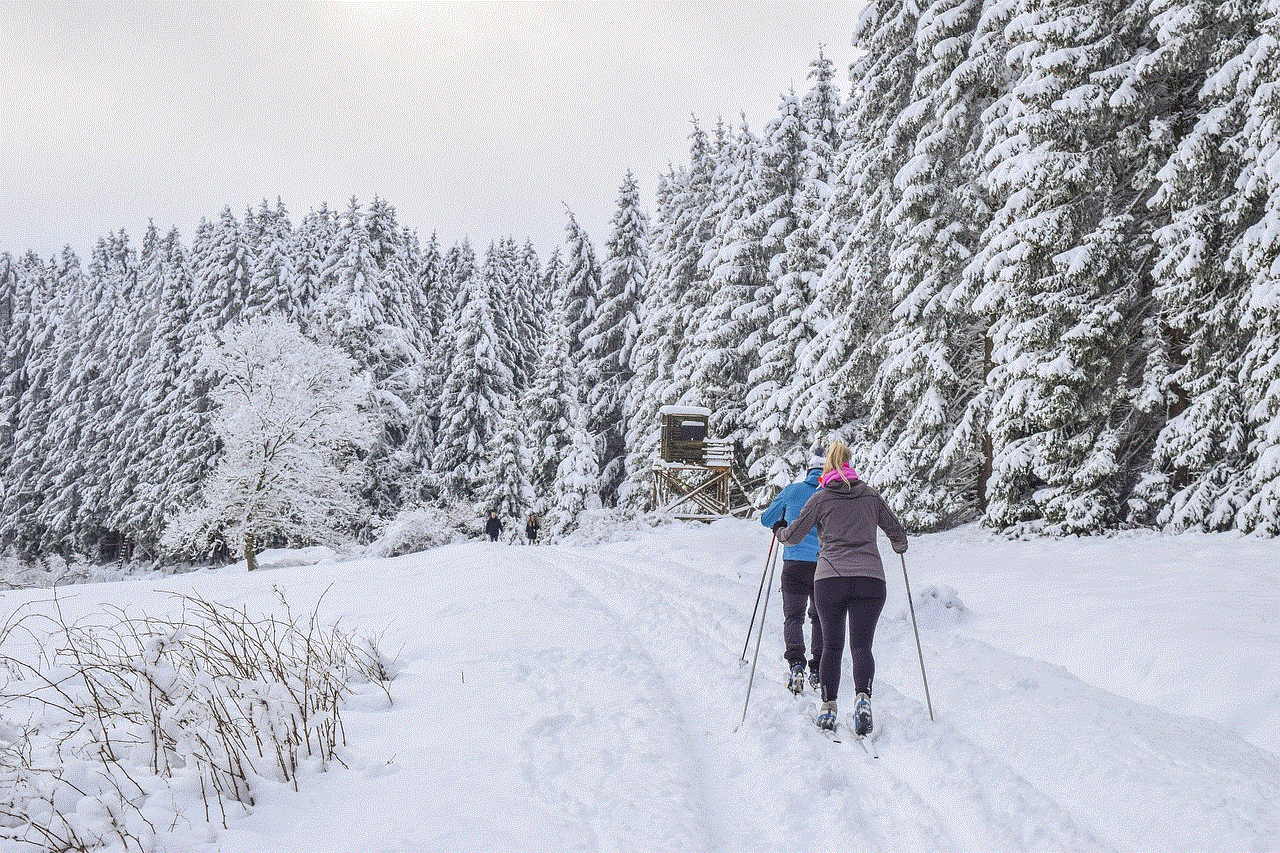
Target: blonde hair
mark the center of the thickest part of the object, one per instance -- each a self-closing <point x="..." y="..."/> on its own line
<point x="838" y="456"/>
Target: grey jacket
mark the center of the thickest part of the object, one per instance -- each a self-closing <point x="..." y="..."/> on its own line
<point x="847" y="515"/>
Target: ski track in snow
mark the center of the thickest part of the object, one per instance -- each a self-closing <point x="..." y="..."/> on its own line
<point x="617" y="750"/>
<point x="872" y="807"/>
<point x="1023" y="755"/>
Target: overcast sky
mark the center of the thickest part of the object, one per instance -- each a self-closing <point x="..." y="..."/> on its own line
<point x="475" y="120"/>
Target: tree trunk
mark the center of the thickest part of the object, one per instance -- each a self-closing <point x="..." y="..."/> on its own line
<point x="251" y="551"/>
<point x="988" y="452"/>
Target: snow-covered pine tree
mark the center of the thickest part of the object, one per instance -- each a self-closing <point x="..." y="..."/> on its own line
<point x="183" y="444"/>
<point x="25" y="288"/>
<point x="834" y="370"/>
<point x="395" y="261"/>
<point x="509" y="492"/>
<point x="577" y="483"/>
<point x="457" y="268"/>
<point x="499" y="271"/>
<point x="719" y="345"/>
<point x="167" y="471"/>
<point x="931" y="353"/>
<point x="1256" y="254"/>
<point x="776" y="451"/>
<point x="47" y="359"/>
<point x="985" y="71"/>
<point x="428" y="294"/>
<point x="820" y="110"/>
<point x="582" y="302"/>
<point x="60" y="461"/>
<point x="103" y="364"/>
<point x="1260" y="378"/>
<point x="798" y="249"/>
<point x="363" y="310"/>
<point x="532" y="272"/>
<point x="272" y="285"/>
<point x="460" y="267"/>
<point x="610" y="338"/>
<point x="680" y="245"/>
<point x="424" y="270"/>
<point x="222" y="265"/>
<point x="552" y="280"/>
<point x="311" y="241"/>
<point x="291" y="419"/>
<point x="1064" y="281"/>
<point x="536" y="284"/>
<point x="476" y="392"/>
<point x="8" y="305"/>
<point x="8" y="290"/>
<point x="27" y="377"/>
<point x="76" y="383"/>
<point x="824" y="115"/>
<point x="1198" y="458"/>
<point x="680" y="231"/>
<point x="394" y="252"/>
<point x="724" y="190"/>
<point x="429" y="305"/>
<point x="521" y="312"/>
<point x="531" y="304"/>
<point x="411" y="261"/>
<point x="650" y="373"/>
<point x="132" y="420"/>
<point x="505" y="448"/>
<point x="581" y="279"/>
<point x="547" y="404"/>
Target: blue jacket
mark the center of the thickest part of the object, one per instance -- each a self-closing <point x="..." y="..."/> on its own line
<point x="791" y="500"/>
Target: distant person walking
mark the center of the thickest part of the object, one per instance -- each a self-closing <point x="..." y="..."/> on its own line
<point x="493" y="527"/>
<point x="531" y="528"/>
<point x="798" y="565"/>
<point x="849" y="583"/>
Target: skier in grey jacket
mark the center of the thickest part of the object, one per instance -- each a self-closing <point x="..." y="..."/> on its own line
<point x="849" y="583"/>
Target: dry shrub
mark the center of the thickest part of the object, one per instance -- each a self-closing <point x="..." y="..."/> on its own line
<point x="129" y="719"/>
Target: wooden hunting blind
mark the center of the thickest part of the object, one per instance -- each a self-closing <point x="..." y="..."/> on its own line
<point x="694" y="478"/>
<point x="684" y="433"/>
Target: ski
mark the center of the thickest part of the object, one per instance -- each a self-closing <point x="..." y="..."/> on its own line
<point x="862" y="742"/>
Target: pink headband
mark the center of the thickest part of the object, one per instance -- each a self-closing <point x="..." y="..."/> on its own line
<point x="846" y="473"/>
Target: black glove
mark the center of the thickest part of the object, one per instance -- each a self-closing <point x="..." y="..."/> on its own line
<point x="780" y="524"/>
<point x="900" y="547"/>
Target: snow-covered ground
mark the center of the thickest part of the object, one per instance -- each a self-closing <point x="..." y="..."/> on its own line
<point x="1097" y="694"/>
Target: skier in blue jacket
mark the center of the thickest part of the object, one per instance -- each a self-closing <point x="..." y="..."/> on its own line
<point x="798" y="564"/>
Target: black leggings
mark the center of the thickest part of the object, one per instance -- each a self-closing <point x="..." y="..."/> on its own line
<point x="860" y="599"/>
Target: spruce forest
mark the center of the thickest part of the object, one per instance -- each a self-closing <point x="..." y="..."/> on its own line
<point x="1024" y="258"/>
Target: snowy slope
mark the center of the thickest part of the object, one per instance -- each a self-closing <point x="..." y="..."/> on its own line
<point x="1112" y="694"/>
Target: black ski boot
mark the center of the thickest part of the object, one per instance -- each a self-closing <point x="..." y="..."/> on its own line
<point x="862" y="715"/>
<point x="795" y="683"/>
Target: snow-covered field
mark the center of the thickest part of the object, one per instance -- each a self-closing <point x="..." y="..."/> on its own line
<point x="1099" y="694"/>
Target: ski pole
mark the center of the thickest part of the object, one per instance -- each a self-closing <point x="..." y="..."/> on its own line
<point x="747" y="641"/>
<point x="759" y="633"/>
<point x="915" y="628"/>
